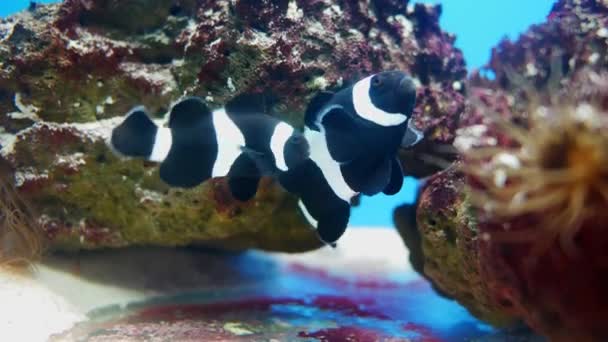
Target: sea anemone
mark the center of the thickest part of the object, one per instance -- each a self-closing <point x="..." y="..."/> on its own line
<point x="552" y="169"/>
<point x="21" y="242"/>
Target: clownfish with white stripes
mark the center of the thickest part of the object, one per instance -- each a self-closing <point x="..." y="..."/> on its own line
<point x="349" y="146"/>
<point x="354" y="136"/>
<point x="199" y="143"/>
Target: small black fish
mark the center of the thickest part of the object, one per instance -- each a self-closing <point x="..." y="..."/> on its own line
<point x="354" y="136"/>
<point x="199" y="144"/>
<point x="364" y="125"/>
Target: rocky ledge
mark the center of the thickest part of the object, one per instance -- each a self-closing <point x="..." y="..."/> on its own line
<point x="68" y="72"/>
<point x="516" y="230"/>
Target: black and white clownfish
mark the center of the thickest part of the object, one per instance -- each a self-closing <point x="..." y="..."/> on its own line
<point x="241" y="142"/>
<point x="377" y="108"/>
<point x="199" y="143"/>
<point x="354" y="136"/>
<point x="349" y="146"/>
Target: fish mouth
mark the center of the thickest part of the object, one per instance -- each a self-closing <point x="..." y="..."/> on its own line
<point x="407" y="86"/>
<point x="406" y="93"/>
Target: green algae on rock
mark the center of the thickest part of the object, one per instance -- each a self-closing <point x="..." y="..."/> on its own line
<point x="85" y="190"/>
<point x="445" y="251"/>
<point x="69" y="71"/>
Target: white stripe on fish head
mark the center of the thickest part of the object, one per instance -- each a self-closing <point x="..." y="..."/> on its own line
<point x="230" y="141"/>
<point x="162" y="144"/>
<point x="365" y="108"/>
<point x="281" y="134"/>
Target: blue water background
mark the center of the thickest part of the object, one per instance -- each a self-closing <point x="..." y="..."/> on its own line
<point x="478" y="24"/>
<point x="11" y="6"/>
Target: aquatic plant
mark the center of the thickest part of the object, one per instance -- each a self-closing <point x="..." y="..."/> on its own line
<point x="20" y="236"/>
<point x="555" y="167"/>
<point x="523" y="234"/>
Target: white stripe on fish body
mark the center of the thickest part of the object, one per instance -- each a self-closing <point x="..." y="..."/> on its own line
<point x="162" y="144"/>
<point x="311" y="220"/>
<point x="319" y="153"/>
<point x="230" y="141"/>
<point x="279" y="138"/>
<point x="366" y="109"/>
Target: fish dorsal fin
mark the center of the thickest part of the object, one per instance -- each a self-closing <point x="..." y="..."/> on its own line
<point x="314" y="108"/>
<point x="396" y="181"/>
<point x="188" y="112"/>
<point x="247" y="103"/>
<point x="412" y="136"/>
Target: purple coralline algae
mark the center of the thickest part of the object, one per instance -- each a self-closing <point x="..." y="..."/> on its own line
<point x="520" y="235"/>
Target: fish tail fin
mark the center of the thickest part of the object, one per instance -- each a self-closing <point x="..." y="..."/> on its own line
<point x="136" y="135"/>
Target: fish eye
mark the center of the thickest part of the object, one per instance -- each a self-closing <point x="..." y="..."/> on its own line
<point x="376" y="81"/>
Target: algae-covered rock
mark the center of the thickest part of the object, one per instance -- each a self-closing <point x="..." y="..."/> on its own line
<point x="519" y="233"/>
<point x="443" y="244"/>
<point x="70" y="71"/>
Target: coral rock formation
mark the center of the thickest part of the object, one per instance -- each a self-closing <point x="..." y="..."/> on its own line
<point x="447" y="250"/>
<point x="68" y="72"/>
<point x="534" y="178"/>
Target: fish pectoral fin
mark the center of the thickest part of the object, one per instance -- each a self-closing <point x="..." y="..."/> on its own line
<point x="332" y="223"/>
<point x="243" y="178"/>
<point x="188" y="112"/>
<point x="342" y="135"/>
<point x="367" y="176"/>
<point x="314" y="108"/>
<point x="412" y="136"/>
<point x="300" y="178"/>
<point x="247" y="103"/>
<point x="396" y="181"/>
<point x="135" y="136"/>
<point x="186" y="166"/>
<point x="242" y="188"/>
<point x="264" y="162"/>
